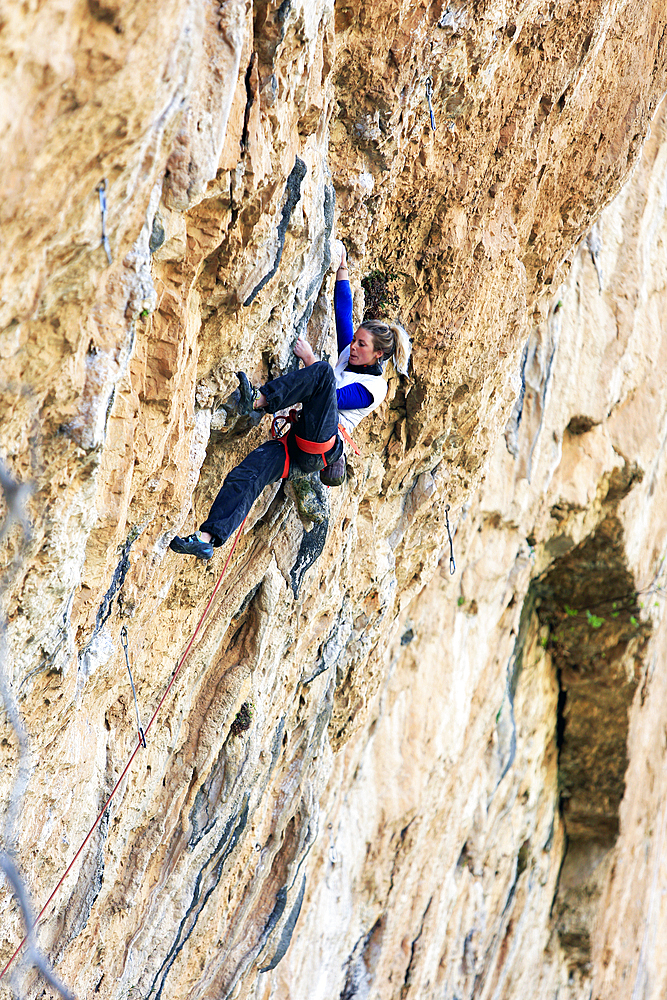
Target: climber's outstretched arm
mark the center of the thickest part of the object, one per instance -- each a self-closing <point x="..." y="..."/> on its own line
<point x="343" y="305"/>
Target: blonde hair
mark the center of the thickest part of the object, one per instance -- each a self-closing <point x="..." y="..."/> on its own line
<point x="392" y="340"/>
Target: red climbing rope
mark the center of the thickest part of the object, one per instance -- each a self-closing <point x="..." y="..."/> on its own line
<point x="134" y="752"/>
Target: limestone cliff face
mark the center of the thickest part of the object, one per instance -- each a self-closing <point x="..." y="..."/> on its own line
<point x="500" y="816"/>
<point x="370" y="779"/>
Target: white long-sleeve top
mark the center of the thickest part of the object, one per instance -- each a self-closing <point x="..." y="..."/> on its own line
<point x="376" y="385"/>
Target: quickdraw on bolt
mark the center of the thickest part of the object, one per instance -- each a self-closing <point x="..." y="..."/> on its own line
<point x="429" y="99"/>
<point x="102" y="193"/>
<point x="123" y="639"/>
<point x="452" y="564"/>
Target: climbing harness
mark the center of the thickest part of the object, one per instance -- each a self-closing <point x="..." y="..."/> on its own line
<point x="123" y="639"/>
<point x="315" y="447"/>
<point x="280" y="427"/>
<point x="429" y="99"/>
<point x="134" y="752"/>
<point x="279" y="430"/>
<point x="452" y="564"/>
<point x="102" y="193"/>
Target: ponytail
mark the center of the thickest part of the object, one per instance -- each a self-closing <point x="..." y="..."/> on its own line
<point x="402" y="348"/>
<point x="392" y="340"/>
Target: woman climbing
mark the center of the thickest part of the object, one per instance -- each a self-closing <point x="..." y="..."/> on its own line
<point x="331" y="398"/>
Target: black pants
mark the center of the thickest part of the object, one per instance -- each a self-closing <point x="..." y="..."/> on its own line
<point x="315" y="388"/>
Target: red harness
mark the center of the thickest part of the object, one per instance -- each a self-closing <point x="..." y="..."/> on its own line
<point x="279" y="430"/>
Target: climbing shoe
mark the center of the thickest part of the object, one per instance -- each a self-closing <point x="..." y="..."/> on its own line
<point x="192" y="545"/>
<point x="334" y="474"/>
<point x="247" y="395"/>
<point x="235" y="415"/>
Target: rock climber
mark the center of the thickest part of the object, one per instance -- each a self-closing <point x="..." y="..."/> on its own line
<point x="332" y="399"/>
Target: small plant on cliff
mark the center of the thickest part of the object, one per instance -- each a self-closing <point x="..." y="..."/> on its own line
<point x="594" y="620"/>
<point x="379" y="298"/>
<point x="243" y="719"/>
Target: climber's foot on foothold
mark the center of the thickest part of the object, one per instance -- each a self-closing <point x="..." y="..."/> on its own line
<point x="247" y="395"/>
<point x="334" y="473"/>
<point x="237" y="420"/>
<point x="192" y="545"/>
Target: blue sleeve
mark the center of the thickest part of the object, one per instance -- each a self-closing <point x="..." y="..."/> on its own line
<point x="353" y="397"/>
<point x="343" y="311"/>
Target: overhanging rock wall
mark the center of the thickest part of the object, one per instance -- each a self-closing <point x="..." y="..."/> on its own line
<point x="419" y="757"/>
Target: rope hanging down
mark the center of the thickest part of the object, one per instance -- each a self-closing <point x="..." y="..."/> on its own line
<point x="140" y="743"/>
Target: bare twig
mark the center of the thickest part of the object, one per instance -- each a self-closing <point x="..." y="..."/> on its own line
<point x="39" y="960"/>
<point x="15" y="495"/>
<point x="9" y="834"/>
